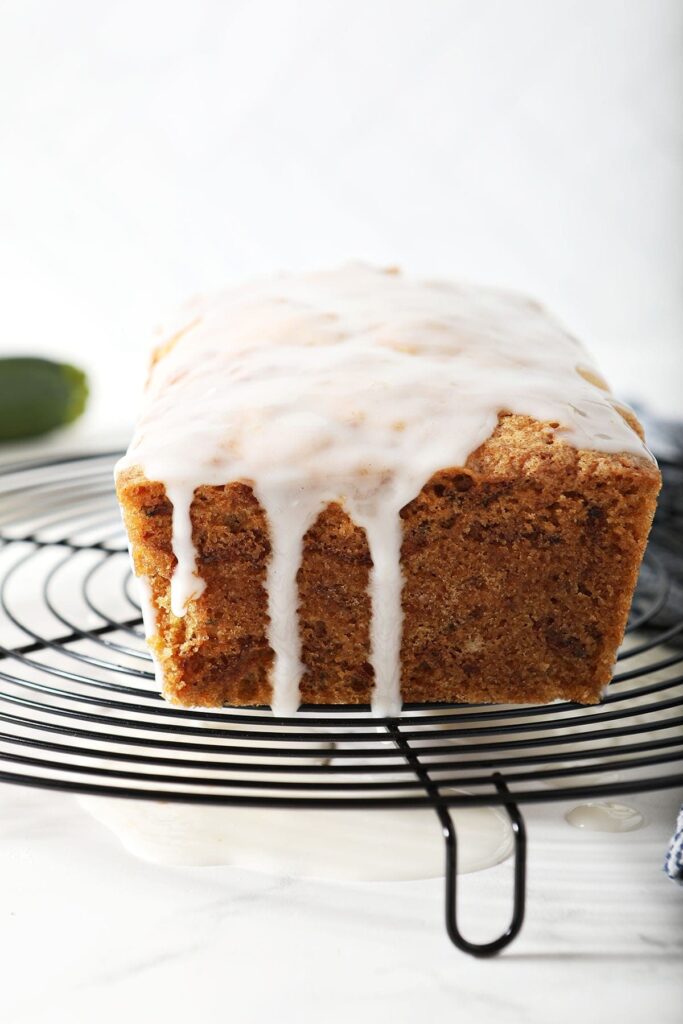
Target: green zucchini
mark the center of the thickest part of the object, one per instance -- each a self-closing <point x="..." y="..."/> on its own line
<point x="38" y="395"/>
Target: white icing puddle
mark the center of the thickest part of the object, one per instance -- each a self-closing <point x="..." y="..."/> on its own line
<point x="367" y="845"/>
<point x="370" y="845"/>
<point x="363" y="845"/>
<point x="605" y="817"/>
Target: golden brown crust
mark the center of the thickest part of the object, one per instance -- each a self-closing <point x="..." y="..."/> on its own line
<point x="519" y="571"/>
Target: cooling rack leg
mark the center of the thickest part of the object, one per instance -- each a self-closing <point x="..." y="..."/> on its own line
<point x="519" y="896"/>
<point x="450" y="839"/>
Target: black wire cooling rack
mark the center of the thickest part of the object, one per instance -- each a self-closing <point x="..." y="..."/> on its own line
<point x="80" y="711"/>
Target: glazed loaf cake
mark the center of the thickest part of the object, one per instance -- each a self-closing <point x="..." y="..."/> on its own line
<point x="350" y="487"/>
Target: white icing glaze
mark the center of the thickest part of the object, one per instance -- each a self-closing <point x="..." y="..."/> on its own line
<point x="605" y="817"/>
<point x="149" y="620"/>
<point x="312" y="844"/>
<point x="187" y="585"/>
<point x="352" y="386"/>
<point x="147" y="609"/>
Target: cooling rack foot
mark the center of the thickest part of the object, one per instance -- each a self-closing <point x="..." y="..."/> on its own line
<point x="450" y="839"/>
<point x="519" y="895"/>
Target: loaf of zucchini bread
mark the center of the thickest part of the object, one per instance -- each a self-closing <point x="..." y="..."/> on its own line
<point x="351" y="487"/>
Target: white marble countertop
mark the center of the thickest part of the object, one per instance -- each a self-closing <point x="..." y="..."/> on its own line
<point x="89" y="932"/>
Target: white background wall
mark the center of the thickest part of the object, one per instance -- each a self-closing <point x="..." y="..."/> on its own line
<point x="151" y="149"/>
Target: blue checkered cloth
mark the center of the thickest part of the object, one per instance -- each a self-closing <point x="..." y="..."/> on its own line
<point x="673" y="862"/>
<point x="665" y="437"/>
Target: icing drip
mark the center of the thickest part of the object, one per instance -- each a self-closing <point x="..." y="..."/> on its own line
<point x="147" y="609"/>
<point x="355" y="387"/>
<point x="186" y="584"/>
<point x="149" y="619"/>
<point x="288" y="521"/>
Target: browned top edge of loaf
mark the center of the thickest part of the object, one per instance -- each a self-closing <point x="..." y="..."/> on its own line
<point x="520" y="447"/>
